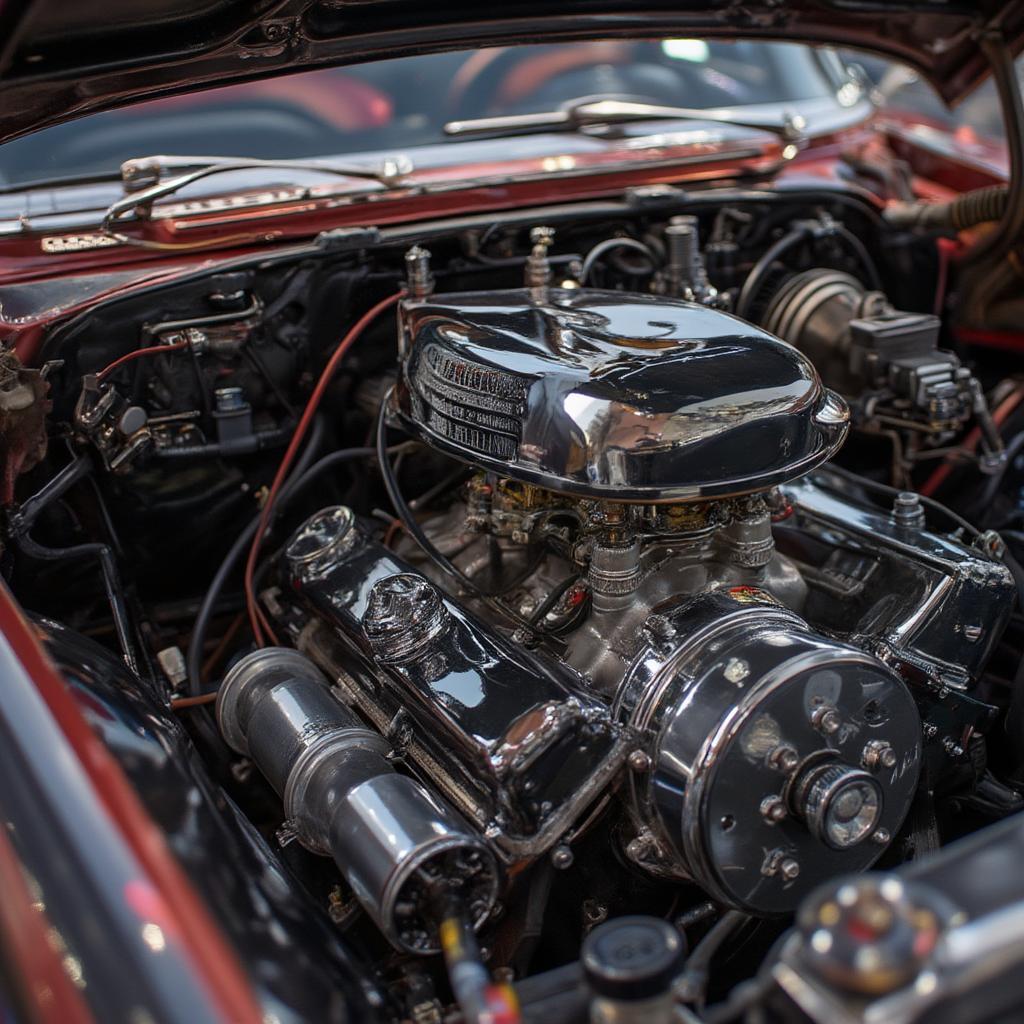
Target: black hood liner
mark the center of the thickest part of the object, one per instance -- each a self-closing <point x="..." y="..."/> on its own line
<point x="60" y="58"/>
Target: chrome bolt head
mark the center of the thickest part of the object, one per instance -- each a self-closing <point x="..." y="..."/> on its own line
<point x="773" y="809"/>
<point x="880" y="836"/>
<point x="826" y="719"/>
<point x="878" y="754"/>
<point x="562" y="857"/>
<point x="952" y="748"/>
<point x="641" y="848"/>
<point x="639" y="761"/>
<point x="779" y="863"/>
<point x="789" y="868"/>
<point x="783" y="758"/>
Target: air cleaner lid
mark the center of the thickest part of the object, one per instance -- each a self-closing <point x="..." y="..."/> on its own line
<point x="612" y="395"/>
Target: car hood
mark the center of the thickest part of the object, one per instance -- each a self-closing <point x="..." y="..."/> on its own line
<point x="59" y="60"/>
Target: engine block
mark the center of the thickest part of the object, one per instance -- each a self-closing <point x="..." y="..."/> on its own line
<point x="729" y="670"/>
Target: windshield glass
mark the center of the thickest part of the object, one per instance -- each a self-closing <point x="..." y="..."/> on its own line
<point x="401" y="104"/>
<point x="975" y="124"/>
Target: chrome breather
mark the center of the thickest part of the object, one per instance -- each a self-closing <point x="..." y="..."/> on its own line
<point x="401" y="848"/>
<point x="404" y="616"/>
<point x="609" y="395"/>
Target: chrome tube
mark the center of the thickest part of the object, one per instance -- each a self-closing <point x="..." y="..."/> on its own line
<point x="389" y="835"/>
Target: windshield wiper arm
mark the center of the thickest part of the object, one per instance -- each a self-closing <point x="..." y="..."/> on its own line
<point x="142" y="177"/>
<point x="597" y="113"/>
<point x="143" y="172"/>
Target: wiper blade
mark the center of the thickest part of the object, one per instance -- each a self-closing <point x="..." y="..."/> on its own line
<point x="60" y="181"/>
<point x="598" y="113"/>
<point x="143" y="178"/>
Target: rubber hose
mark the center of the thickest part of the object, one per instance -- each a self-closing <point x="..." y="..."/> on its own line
<point x="982" y="206"/>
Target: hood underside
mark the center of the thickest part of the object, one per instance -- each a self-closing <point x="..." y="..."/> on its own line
<point x="59" y="59"/>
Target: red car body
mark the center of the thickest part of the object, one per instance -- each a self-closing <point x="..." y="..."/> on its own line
<point x="43" y="80"/>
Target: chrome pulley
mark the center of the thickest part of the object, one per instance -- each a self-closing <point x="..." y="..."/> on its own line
<point x="779" y="758"/>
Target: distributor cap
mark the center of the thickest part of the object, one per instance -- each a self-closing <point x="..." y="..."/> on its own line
<point x="873" y="934"/>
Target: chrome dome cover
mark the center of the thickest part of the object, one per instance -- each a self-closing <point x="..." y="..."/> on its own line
<point x="611" y="395"/>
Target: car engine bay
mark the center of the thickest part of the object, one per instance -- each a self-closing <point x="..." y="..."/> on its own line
<point x="453" y="590"/>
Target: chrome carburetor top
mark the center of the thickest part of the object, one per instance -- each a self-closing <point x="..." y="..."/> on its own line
<point x="608" y="395"/>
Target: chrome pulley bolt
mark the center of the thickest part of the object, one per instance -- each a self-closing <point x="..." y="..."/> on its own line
<point x="826" y="720"/>
<point x="783" y="758"/>
<point x="773" y="809"/>
<point x="878" y="754"/>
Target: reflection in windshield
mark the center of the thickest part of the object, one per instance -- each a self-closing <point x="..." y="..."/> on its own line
<point x="404" y="103"/>
<point x="900" y="89"/>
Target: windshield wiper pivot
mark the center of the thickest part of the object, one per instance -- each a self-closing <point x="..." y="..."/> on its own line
<point x="587" y="112"/>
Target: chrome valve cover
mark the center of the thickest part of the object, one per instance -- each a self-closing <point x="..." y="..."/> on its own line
<point x="514" y="741"/>
<point x="606" y="395"/>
